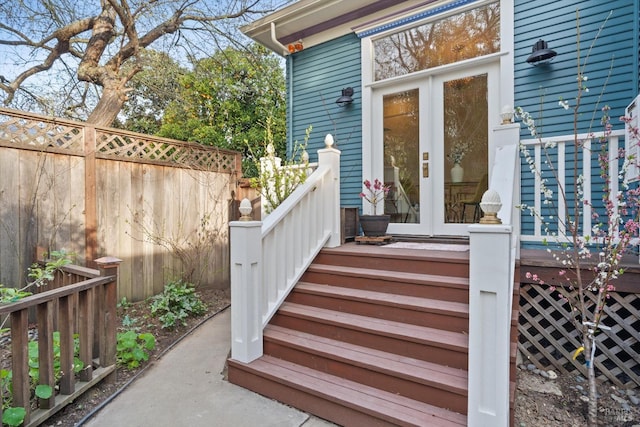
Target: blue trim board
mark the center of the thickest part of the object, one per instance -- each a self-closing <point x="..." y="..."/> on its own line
<point x="414" y="18"/>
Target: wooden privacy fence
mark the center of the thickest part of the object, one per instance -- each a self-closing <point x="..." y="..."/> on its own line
<point x="82" y="310"/>
<point x="159" y="204"/>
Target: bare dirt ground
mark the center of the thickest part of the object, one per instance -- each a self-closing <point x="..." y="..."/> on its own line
<point x="540" y="401"/>
<point x="561" y="402"/>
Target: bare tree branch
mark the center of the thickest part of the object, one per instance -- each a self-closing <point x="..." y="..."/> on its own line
<point x="43" y="32"/>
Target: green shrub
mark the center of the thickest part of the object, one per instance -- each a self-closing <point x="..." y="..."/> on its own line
<point x="34" y="364"/>
<point x="14" y="416"/>
<point x="133" y="348"/>
<point x="176" y="303"/>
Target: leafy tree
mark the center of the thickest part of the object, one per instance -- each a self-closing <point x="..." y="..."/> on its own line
<point x="151" y="91"/>
<point x="226" y="101"/>
<point x="91" y="50"/>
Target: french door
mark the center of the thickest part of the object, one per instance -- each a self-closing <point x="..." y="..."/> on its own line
<point x="432" y="140"/>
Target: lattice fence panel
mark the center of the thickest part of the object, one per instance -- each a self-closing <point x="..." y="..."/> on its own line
<point x="40" y="134"/>
<point x="193" y="156"/>
<point x="549" y="338"/>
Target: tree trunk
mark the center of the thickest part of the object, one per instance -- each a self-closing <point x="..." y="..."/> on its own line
<point x="592" y="406"/>
<point x="108" y="107"/>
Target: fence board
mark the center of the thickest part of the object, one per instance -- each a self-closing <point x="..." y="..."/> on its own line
<point x="152" y="198"/>
<point x="44" y="202"/>
<point x="27" y="201"/>
<point x="173" y="189"/>
<point x="9" y="214"/>
<point x="167" y="184"/>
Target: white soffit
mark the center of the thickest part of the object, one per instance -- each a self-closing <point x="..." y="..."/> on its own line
<point x="318" y="21"/>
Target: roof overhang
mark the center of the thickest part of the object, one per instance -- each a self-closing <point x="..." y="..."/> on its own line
<point x="316" y="21"/>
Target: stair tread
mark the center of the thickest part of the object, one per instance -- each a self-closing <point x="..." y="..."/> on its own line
<point x="408" y="332"/>
<point x="374" y="251"/>
<point x="389" y="406"/>
<point x="383" y="298"/>
<point x="420" y="371"/>
<point x="400" y="276"/>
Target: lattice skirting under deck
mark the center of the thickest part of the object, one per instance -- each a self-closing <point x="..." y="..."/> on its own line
<point x="548" y="339"/>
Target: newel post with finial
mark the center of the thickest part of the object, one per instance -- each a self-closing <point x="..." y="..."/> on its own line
<point x="330" y="157"/>
<point x="492" y="253"/>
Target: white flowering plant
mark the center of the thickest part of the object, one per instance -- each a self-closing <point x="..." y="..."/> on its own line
<point x="458" y="152"/>
<point x="590" y="260"/>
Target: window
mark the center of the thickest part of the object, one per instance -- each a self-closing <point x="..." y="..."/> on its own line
<point x="469" y="34"/>
<point x="630" y="141"/>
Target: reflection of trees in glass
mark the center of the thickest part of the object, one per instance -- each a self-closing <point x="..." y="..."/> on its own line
<point x="462" y="36"/>
<point x="465" y="121"/>
<point x="401" y="138"/>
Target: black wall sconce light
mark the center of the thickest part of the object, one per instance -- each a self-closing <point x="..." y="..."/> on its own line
<point x="346" y="97"/>
<point x="541" y="54"/>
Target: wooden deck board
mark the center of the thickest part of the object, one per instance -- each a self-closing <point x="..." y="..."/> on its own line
<point x="382" y="298"/>
<point x="419" y="334"/>
<point x="388" y="406"/>
<point x="453" y="379"/>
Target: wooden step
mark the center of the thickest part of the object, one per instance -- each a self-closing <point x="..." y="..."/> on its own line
<point x="422" y="285"/>
<point x="420" y="342"/>
<point x="428" y="382"/>
<point x="446" y="315"/>
<point x="454" y="264"/>
<point x="338" y="400"/>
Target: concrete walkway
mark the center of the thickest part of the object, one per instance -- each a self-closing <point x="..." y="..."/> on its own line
<point x="186" y="388"/>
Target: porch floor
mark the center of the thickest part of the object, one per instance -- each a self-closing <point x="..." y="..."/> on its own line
<point x="535" y="260"/>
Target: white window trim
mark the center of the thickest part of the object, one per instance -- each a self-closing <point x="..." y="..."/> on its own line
<point x="505" y="56"/>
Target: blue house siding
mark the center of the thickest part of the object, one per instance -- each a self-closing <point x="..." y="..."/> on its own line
<point x="317" y="77"/>
<point x="538" y="89"/>
<point x="555" y="22"/>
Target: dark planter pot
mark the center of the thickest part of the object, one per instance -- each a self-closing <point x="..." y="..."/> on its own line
<point x="374" y="225"/>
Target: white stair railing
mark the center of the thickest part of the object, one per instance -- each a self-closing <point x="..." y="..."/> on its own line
<point x="268" y="258"/>
<point x="492" y="253"/>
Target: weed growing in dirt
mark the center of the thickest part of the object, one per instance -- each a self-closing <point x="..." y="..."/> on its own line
<point x="176" y="303"/>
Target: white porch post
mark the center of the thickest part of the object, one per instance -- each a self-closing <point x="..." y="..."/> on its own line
<point x="246" y="290"/>
<point x="330" y="157"/>
<point x="269" y="167"/>
<point x="490" y="287"/>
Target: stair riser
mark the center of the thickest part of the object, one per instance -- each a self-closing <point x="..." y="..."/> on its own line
<point x="332" y="411"/>
<point x="421" y="265"/>
<point x="444" y="321"/>
<point x="447" y="356"/>
<point x="433" y="291"/>
<point x="428" y="393"/>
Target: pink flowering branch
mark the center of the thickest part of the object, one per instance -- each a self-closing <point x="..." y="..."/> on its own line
<point x="374" y="193"/>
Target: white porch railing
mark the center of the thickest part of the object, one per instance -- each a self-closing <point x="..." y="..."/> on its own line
<point x="268" y="258"/>
<point x="491" y="278"/>
<point x="536" y="149"/>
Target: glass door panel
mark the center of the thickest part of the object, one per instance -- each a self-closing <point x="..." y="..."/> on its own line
<point x="432" y="145"/>
<point x="401" y="128"/>
<point x="465" y="139"/>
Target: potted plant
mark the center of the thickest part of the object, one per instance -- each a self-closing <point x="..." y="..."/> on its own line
<point x="457" y="153"/>
<point x="374" y="225"/>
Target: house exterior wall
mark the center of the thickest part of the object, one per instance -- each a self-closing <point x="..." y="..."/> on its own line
<point x="316" y="78"/>
<point x="611" y="61"/>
